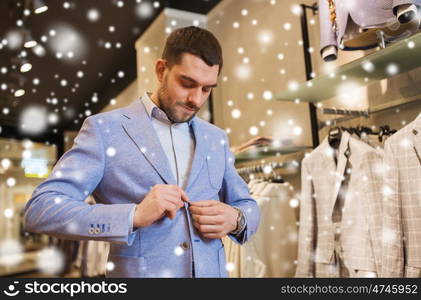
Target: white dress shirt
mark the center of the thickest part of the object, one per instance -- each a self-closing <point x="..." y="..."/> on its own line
<point x="176" y="139"/>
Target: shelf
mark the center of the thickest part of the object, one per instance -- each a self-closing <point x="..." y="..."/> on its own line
<point x="265" y="152"/>
<point x="364" y="71"/>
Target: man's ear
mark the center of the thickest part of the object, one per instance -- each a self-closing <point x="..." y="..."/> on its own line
<point x="160" y="67"/>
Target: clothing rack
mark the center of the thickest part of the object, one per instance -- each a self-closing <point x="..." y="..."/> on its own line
<point x="272" y="170"/>
<point x="309" y="68"/>
<point x="267" y="169"/>
<point x="336" y="111"/>
<point x="367" y="113"/>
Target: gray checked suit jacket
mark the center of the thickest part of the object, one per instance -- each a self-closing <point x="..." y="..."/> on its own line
<point x="402" y="205"/>
<point x="360" y="228"/>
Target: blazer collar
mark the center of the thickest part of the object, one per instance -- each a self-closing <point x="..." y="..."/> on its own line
<point x="200" y="152"/>
<point x="343" y="156"/>
<point x="138" y="126"/>
<point x="416" y="137"/>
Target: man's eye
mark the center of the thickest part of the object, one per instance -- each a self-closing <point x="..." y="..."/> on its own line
<point x="206" y="89"/>
<point x="188" y="85"/>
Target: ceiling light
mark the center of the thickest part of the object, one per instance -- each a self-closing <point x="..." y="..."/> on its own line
<point x="21" y="63"/>
<point x="39" y="6"/>
<point x="25" y="66"/>
<point x="19" y="93"/>
<point x="29" y="41"/>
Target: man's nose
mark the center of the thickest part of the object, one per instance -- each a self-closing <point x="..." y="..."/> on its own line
<point x="195" y="97"/>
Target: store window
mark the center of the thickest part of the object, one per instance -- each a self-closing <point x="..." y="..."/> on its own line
<point x="23" y="166"/>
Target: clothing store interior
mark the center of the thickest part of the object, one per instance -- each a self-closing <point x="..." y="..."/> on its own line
<point x="321" y="102"/>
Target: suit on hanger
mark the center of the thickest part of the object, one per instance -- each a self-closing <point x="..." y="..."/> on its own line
<point x="121" y="180"/>
<point x="324" y="185"/>
<point x="276" y="238"/>
<point x="402" y="205"/>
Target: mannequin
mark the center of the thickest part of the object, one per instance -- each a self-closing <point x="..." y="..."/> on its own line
<point x="356" y="25"/>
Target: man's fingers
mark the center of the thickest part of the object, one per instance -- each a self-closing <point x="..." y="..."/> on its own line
<point x="207" y="220"/>
<point x="208" y="228"/>
<point x="176" y="201"/>
<point x="178" y="192"/>
<point x="206" y="211"/>
<point x="184" y="196"/>
<point x="171" y="210"/>
<point x="213" y="235"/>
<point x="204" y="203"/>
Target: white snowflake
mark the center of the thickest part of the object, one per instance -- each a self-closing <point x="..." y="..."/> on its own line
<point x="50" y="261"/>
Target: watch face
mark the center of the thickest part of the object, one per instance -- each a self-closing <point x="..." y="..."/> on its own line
<point x="242" y="220"/>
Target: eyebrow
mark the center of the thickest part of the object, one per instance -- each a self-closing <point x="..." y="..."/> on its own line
<point x="184" y="77"/>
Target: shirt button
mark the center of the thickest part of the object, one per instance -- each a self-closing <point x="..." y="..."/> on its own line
<point x="185" y="245"/>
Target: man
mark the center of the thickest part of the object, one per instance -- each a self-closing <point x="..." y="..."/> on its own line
<point x="164" y="181"/>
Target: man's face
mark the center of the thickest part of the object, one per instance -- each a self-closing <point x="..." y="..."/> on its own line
<point x="185" y="87"/>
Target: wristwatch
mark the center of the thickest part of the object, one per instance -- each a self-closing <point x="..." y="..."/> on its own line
<point x="241" y="222"/>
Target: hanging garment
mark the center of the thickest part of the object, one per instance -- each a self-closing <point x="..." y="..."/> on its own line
<point x="340" y="209"/>
<point x="252" y="184"/>
<point x="243" y="261"/>
<point x="402" y="205"/>
<point x="348" y="23"/>
<point x="276" y="238"/>
<point x="257" y="190"/>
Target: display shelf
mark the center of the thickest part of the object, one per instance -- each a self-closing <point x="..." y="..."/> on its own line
<point x="385" y="63"/>
<point x="28" y="263"/>
<point x="267" y="151"/>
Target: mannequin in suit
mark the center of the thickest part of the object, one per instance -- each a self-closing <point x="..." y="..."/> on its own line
<point x="354" y="25"/>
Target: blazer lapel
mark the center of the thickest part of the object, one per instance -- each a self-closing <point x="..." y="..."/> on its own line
<point x="138" y="126"/>
<point x="344" y="153"/>
<point x="416" y="137"/>
<point x="200" y="152"/>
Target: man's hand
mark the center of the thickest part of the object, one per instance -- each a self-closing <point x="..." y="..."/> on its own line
<point x="163" y="199"/>
<point x="214" y="219"/>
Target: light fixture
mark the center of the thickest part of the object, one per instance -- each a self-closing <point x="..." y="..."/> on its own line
<point x="21" y="63"/>
<point x="25" y="66"/>
<point x="17" y="82"/>
<point x="28" y="40"/>
<point x="39" y="6"/>
<point x="19" y="93"/>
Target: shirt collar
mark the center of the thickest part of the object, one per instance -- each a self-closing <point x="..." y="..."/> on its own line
<point x="154" y="111"/>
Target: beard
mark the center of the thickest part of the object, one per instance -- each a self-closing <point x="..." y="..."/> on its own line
<point x="173" y="110"/>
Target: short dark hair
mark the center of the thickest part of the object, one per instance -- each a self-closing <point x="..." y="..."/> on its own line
<point x="193" y="40"/>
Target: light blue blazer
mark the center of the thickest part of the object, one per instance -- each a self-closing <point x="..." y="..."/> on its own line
<point x="118" y="158"/>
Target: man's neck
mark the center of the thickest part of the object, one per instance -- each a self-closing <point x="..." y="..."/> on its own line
<point x="154" y="98"/>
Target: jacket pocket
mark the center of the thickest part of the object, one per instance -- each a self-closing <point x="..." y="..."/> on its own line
<point x="215" y="172"/>
<point x="126" y="266"/>
<point x="412" y="272"/>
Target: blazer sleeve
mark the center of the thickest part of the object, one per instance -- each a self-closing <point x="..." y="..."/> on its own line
<point x="328" y="38"/>
<point x="307" y="227"/>
<point x="393" y="250"/>
<point x="235" y="192"/>
<point x="57" y="206"/>
<point x="397" y="3"/>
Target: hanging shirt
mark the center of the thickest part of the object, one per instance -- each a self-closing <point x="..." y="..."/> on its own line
<point x="176" y="139"/>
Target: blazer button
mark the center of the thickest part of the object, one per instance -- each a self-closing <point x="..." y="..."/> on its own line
<point x="185" y="245"/>
<point x="91" y="230"/>
<point x="97" y="230"/>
